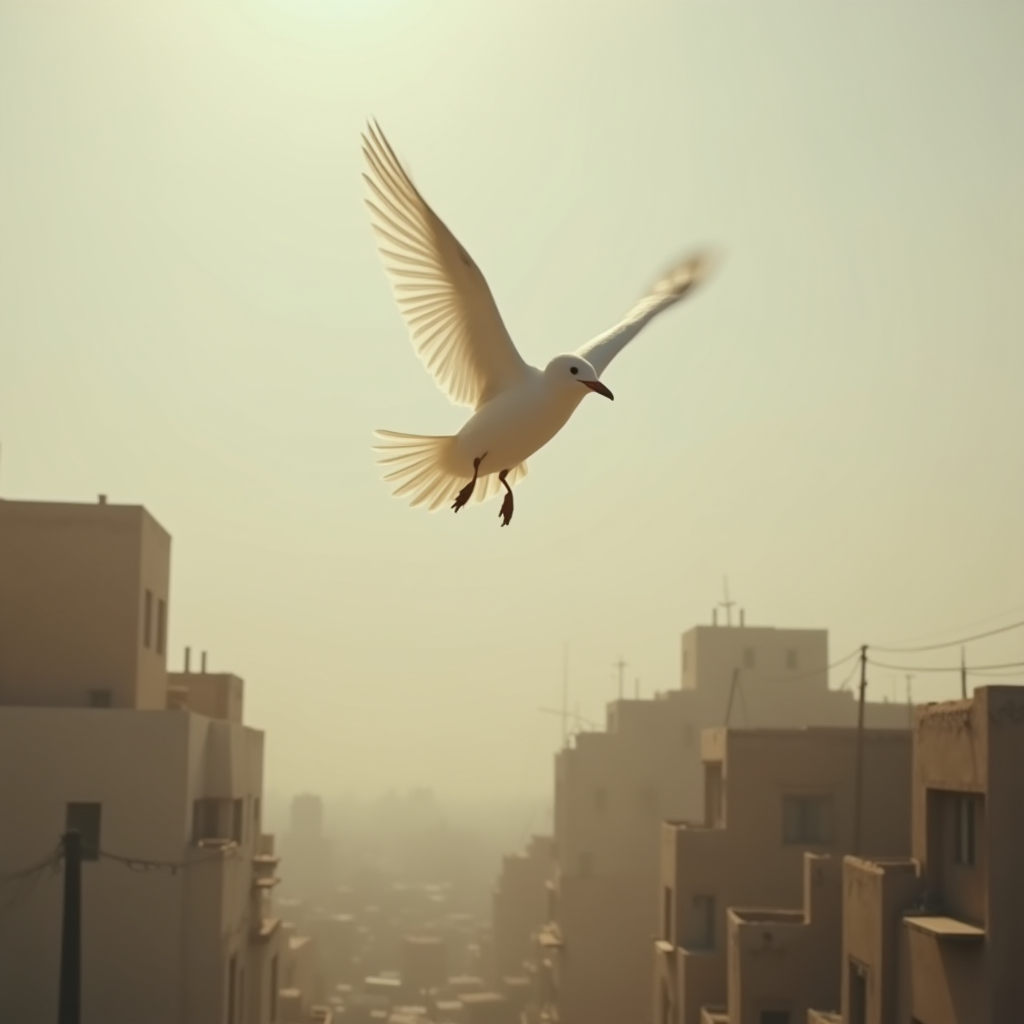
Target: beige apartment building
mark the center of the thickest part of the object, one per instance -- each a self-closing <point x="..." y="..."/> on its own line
<point x="520" y="905"/>
<point x="157" y="771"/>
<point x="939" y="938"/>
<point x="614" y="788"/>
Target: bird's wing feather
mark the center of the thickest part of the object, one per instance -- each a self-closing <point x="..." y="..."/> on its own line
<point x="670" y="288"/>
<point x="454" y="322"/>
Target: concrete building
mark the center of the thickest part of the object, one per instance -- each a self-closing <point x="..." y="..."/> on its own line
<point x="783" y="963"/>
<point x="308" y="851"/>
<point x="163" y="783"/>
<point x="771" y="796"/>
<point x="938" y="938"/>
<point x="614" y="788"/>
<point x="520" y="905"/>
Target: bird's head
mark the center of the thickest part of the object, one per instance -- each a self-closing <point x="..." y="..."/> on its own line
<point x="568" y="372"/>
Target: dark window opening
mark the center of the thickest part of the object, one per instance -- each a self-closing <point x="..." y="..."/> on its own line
<point x="147" y="620"/>
<point x="966" y="829"/>
<point x="666" y="915"/>
<point x="100" y="698"/>
<point x="807" y="820"/>
<point x="703" y="922"/>
<point x="86" y="820"/>
<point x="858" y="993"/>
<point x="161" y="626"/>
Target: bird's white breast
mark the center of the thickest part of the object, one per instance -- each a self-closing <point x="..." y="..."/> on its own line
<point x="514" y="425"/>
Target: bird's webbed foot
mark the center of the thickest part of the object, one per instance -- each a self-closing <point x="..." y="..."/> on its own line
<point x="508" y="505"/>
<point x="467" y="492"/>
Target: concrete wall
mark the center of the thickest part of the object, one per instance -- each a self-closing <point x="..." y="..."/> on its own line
<point x="156" y="943"/>
<point x="73" y="585"/>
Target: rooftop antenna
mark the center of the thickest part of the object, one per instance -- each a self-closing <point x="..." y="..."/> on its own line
<point x="963" y="675"/>
<point x="726" y="604"/>
<point x="620" y="665"/>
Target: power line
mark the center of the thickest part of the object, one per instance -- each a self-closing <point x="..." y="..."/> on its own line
<point x="949" y="668"/>
<point x="949" y="643"/>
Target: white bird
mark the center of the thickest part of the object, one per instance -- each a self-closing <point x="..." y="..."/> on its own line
<point x="458" y="332"/>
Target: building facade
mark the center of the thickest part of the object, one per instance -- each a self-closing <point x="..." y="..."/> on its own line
<point x="613" y="789"/>
<point x="161" y="778"/>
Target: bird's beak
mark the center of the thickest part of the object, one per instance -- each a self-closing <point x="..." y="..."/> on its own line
<point x="596" y="385"/>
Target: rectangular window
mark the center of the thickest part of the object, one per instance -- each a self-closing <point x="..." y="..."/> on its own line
<point x="147" y="620"/>
<point x="966" y="824"/>
<point x="232" y="995"/>
<point x="601" y="799"/>
<point x="666" y="914"/>
<point x="703" y="922"/>
<point x="85" y="819"/>
<point x="206" y="820"/>
<point x="100" y="698"/>
<point x="791" y="660"/>
<point x="586" y="865"/>
<point x="161" y="626"/>
<point x="238" y="820"/>
<point x="272" y="1001"/>
<point x="858" y="993"/>
<point x="807" y="820"/>
<point x="748" y="657"/>
<point x="714" y="795"/>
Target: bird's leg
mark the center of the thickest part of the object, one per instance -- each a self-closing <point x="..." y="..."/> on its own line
<point x="507" y="506"/>
<point x="467" y="492"/>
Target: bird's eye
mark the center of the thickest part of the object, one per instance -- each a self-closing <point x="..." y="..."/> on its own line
<point x="574" y="369"/>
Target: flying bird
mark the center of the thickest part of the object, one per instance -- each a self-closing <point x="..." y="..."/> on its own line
<point x="459" y="334"/>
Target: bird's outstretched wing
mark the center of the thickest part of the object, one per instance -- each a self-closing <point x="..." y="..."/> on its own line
<point x="455" y="325"/>
<point x="671" y="287"/>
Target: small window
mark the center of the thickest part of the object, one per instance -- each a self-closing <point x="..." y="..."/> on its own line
<point x="161" y="626"/>
<point x="100" y="698"/>
<point x="966" y="825"/>
<point x="703" y="922"/>
<point x="206" y="820"/>
<point x="238" y="820"/>
<point x="586" y="865"/>
<point x="272" y="1000"/>
<point x="748" y="657"/>
<point x="666" y="914"/>
<point x="714" y="795"/>
<point x="147" y="620"/>
<point x="601" y="799"/>
<point x="85" y="819"/>
<point x="791" y="659"/>
<point x="807" y="820"/>
<point x="858" y="976"/>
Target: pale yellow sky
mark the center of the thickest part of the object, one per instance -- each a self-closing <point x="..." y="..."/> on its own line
<point x="193" y="317"/>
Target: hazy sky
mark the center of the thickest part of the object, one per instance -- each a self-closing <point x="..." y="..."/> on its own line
<point x="193" y="317"/>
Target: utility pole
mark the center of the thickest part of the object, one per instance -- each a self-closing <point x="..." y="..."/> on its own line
<point x="69" y="1008"/>
<point x="732" y="693"/>
<point x="963" y="675"/>
<point x="858" y="778"/>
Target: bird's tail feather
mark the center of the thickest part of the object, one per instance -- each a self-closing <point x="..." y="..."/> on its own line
<point x="426" y="469"/>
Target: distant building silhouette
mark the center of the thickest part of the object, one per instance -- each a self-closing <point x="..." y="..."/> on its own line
<point x="614" y="788"/>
